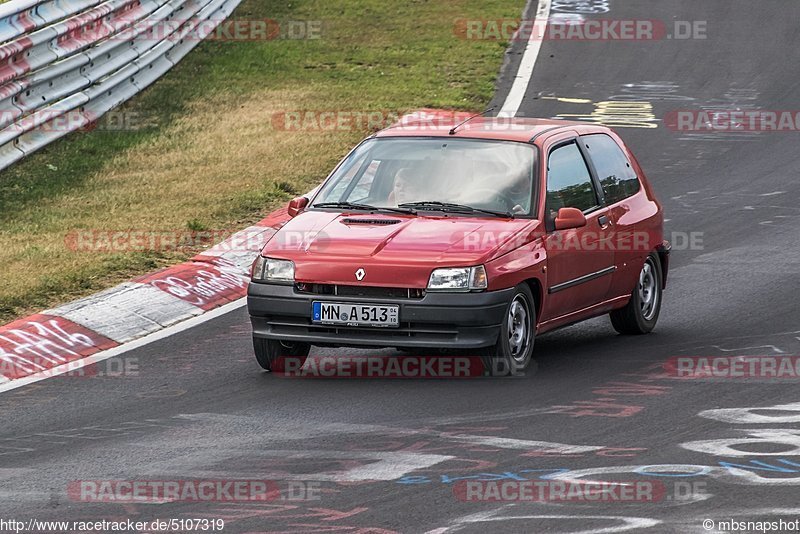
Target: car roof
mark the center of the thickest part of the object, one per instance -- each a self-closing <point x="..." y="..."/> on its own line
<point x="499" y="128"/>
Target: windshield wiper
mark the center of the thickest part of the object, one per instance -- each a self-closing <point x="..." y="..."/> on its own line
<point x="357" y="206"/>
<point x="454" y="208"/>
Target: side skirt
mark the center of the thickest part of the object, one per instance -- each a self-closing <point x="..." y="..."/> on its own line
<point x="581" y="315"/>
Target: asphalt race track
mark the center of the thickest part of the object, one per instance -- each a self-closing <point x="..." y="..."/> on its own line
<point x="389" y="454"/>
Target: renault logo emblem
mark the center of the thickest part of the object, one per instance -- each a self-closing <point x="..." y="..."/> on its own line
<point x="360" y="274"/>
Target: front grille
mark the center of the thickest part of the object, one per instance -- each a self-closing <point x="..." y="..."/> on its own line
<point x="361" y="291"/>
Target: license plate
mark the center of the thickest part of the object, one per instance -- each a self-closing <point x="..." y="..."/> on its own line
<point x="337" y="313"/>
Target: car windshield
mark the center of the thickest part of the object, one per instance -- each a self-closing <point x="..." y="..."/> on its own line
<point x="400" y="171"/>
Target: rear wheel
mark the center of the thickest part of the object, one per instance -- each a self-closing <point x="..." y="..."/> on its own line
<point x="269" y="353"/>
<point x="641" y="313"/>
<point x="514" y="348"/>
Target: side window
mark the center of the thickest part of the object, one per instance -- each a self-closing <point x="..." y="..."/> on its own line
<point x="569" y="184"/>
<point x="613" y="168"/>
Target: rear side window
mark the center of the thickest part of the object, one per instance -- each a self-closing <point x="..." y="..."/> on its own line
<point x="613" y="168"/>
<point x="569" y="184"/>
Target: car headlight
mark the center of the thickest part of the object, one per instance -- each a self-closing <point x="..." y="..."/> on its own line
<point x="272" y="270"/>
<point x="458" y="279"/>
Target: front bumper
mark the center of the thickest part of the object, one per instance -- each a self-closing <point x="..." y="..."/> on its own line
<point x="437" y="320"/>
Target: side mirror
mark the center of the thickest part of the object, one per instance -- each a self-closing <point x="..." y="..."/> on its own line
<point x="570" y="218"/>
<point x="297" y="205"/>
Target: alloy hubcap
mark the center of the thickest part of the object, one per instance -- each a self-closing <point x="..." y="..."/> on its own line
<point x="519" y="328"/>
<point x="648" y="290"/>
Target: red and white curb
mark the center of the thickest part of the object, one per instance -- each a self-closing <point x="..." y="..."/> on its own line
<point x="134" y="313"/>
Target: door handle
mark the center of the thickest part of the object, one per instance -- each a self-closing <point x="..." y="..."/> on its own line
<point x="603" y="220"/>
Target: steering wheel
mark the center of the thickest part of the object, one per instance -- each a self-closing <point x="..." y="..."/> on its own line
<point x="505" y="199"/>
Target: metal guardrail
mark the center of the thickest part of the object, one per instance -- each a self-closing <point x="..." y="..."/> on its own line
<point x="65" y="63"/>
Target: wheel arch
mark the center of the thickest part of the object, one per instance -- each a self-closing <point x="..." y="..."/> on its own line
<point x="535" y="286"/>
<point x="662" y="252"/>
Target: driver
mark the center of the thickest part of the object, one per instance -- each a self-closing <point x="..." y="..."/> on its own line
<point x="519" y="192"/>
<point x="503" y="193"/>
<point x="406" y="188"/>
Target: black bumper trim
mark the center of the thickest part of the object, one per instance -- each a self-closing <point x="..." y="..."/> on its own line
<point x="438" y="320"/>
<point x="581" y="280"/>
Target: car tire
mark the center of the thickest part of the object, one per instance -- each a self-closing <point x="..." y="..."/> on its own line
<point x="514" y="349"/>
<point x="269" y="353"/>
<point x="641" y="313"/>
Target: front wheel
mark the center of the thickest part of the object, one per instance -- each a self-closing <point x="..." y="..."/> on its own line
<point x="640" y="315"/>
<point x="514" y="348"/>
<point x="270" y="353"/>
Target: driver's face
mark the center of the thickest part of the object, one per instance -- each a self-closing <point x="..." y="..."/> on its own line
<point x="405" y="190"/>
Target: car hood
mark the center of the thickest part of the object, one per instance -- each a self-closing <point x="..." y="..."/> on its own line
<point x="328" y="247"/>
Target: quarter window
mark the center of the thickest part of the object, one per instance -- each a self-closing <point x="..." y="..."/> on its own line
<point x="569" y="184"/>
<point x="613" y="168"/>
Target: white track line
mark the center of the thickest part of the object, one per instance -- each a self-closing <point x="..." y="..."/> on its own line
<point x="525" y="73"/>
<point x="116" y="351"/>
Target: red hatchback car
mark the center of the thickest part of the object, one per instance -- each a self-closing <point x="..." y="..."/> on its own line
<point x="474" y="237"/>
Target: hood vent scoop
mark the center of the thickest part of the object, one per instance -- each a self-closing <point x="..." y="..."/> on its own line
<point x="383" y="222"/>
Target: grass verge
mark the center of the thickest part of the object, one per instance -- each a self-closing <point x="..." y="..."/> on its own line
<point x="200" y="151"/>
